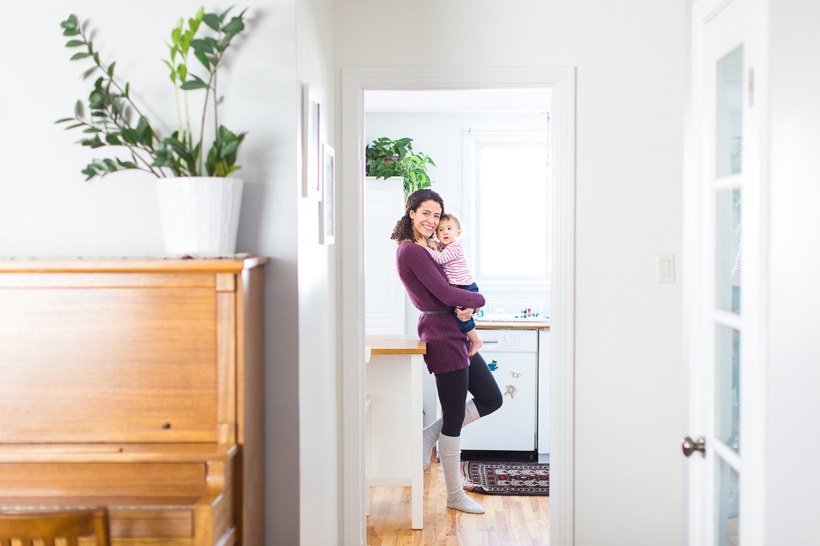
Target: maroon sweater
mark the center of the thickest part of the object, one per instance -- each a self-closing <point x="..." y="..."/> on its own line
<point x="428" y="289"/>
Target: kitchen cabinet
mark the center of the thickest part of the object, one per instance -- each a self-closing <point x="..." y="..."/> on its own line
<point x="513" y="358"/>
<point x="384" y="293"/>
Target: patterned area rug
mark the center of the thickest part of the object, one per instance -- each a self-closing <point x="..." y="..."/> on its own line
<point x="495" y="478"/>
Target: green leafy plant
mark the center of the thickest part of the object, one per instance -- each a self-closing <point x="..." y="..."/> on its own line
<point x="386" y="158"/>
<point x="112" y="109"/>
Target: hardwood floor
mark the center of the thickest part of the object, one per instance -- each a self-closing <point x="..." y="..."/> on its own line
<point x="520" y="521"/>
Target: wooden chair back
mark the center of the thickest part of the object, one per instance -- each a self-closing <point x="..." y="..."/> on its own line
<point x="46" y="526"/>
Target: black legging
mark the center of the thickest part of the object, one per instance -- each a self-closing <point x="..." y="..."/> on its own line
<point x="452" y="393"/>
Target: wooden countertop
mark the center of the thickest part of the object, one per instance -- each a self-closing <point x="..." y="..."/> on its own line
<point x="131" y="264"/>
<point x="395" y="345"/>
<point x="485" y="325"/>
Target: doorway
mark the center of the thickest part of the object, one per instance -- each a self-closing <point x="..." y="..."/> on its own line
<point x="561" y="83"/>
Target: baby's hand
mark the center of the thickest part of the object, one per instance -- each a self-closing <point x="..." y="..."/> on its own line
<point x="432" y="243"/>
<point x="422" y="241"/>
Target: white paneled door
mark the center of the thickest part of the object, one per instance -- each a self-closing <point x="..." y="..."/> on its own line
<point x="724" y="284"/>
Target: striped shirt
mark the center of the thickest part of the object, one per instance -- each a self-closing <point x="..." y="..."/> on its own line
<point x="454" y="262"/>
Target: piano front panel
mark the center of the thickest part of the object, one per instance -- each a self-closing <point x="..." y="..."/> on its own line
<point x="108" y="364"/>
<point x="154" y="480"/>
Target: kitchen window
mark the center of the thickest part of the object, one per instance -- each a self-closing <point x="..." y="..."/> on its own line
<point x="507" y="209"/>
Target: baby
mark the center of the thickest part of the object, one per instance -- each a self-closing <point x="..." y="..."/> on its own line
<point x="451" y="257"/>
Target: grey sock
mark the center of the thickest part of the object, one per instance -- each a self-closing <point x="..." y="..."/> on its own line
<point x="450" y="455"/>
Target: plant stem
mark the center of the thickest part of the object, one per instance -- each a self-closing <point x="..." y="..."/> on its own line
<point x="179" y="113"/>
<point x="150" y="168"/>
<point x="134" y="157"/>
<point x="187" y="121"/>
<point x="187" y="112"/>
<point x="216" y="107"/>
<point x="202" y="130"/>
<point x="216" y="98"/>
<point x="105" y="71"/>
<point x="131" y="147"/>
<point x="211" y="79"/>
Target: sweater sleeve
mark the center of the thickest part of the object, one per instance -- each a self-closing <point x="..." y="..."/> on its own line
<point x="450" y="254"/>
<point x="425" y="271"/>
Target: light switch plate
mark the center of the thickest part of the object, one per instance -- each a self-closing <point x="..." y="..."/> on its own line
<point x="666" y="267"/>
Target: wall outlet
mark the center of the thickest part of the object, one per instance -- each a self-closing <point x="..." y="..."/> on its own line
<point x="666" y="267"/>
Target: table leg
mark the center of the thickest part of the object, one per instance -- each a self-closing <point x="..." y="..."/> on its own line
<point x="416" y="473"/>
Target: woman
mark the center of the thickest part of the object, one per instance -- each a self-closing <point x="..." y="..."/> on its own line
<point x="447" y="346"/>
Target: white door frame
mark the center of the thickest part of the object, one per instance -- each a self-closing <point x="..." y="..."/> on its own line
<point x="561" y="82"/>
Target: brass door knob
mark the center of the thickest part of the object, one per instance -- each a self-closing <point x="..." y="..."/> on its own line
<point x="690" y="446"/>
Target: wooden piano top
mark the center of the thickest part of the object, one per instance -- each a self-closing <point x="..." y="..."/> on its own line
<point x="129" y="264"/>
<point x="115" y="453"/>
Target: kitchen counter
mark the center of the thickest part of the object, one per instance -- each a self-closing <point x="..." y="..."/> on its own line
<point x="512" y="325"/>
<point x="396" y="418"/>
<point x="395" y="345"/>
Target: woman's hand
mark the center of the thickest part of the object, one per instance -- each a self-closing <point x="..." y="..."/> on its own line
<point x="464" y="314"/>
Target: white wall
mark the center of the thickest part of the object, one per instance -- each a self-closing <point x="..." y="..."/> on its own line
<point x="318" y="402"/>
<point x="793" y="440"/>
<point x="631" y="58"/>
<point x="47" y="209"/>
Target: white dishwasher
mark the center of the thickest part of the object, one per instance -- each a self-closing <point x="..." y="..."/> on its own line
<point x="512" y="356"/>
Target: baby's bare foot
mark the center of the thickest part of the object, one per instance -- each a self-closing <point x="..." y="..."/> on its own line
<point x="474" y="347"/>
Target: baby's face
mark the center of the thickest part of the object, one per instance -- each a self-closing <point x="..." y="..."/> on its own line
<point x="447" y="232"/>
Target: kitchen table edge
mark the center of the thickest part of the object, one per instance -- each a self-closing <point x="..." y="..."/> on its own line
<point x="395" y="345"/>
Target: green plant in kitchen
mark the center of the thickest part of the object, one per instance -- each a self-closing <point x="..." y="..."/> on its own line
<point x="112" y="109"/>
<point x="386" y="158"/>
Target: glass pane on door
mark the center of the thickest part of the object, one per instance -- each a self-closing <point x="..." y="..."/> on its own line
<point x="728" y="243"/>
<point x="727" y="386"/>
<point x="730" y="113"/>
<point x="726" y="505"/>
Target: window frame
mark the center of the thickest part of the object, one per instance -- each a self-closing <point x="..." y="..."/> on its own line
<point x="473" y="141"/>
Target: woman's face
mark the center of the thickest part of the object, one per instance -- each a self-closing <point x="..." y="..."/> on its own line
<point x="425" y="218"/>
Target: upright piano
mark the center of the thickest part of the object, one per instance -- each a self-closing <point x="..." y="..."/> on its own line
<point x="135" y="384"/>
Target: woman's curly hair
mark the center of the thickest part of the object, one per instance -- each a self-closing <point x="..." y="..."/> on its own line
<point x="404" y="227"/>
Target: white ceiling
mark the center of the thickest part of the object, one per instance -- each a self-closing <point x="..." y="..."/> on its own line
<point x="485" y="101"/>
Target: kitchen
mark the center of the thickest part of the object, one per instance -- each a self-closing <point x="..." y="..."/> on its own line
<point x="491" y="155"/>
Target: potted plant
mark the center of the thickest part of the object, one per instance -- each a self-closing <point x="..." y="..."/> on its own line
<point x="386" y="158"/>
<point x="199" y="201"/>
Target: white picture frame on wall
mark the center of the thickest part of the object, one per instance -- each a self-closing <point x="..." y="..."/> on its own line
<point x="311" y="143"/>
<point x="327" y="208"/>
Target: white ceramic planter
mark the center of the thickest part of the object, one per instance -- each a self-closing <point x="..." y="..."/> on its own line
<point x="200" y="215"/>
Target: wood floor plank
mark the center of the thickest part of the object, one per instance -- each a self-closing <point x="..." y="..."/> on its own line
<point x="507" y="521"/>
